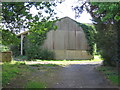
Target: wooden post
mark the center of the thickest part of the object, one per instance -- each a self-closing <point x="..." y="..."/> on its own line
<point x="22" y="44"/>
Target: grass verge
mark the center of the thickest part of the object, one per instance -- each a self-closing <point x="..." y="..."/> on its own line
<point x="111" y="74"/>
<point x="10" y="71"/>
<point x="96" y="58"/>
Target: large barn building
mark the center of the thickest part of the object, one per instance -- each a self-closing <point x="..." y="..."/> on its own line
<point x="67" y="42"/>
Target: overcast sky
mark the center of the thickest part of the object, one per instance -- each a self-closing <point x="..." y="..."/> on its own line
<point x="65" y="9"/>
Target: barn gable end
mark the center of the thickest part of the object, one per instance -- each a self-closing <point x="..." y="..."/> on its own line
<point x="68" y="41"/>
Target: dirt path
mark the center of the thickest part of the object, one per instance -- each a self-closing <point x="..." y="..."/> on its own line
<point x="81" y="75"/>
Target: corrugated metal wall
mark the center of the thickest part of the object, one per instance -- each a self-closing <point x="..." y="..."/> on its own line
<point x="68" y="41"/>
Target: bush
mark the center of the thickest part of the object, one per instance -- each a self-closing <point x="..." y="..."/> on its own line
<point x="15" y="50"/>
<point x="39" y="53"/>
<point x="3" y="48"/>
<point x="46" y="54"/>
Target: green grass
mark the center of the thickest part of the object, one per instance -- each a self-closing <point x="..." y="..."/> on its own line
<point x="34" y="84"/>
<point x="62" y="63"/>
<point x="10" y="71"/>
<point x="110" y="73"/>
<point x="96" y="58"/>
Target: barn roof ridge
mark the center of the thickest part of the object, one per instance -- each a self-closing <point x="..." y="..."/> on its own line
<point x="55" y="22"/>
<point x="74" y="21"/>
<point x="69" y="18"/>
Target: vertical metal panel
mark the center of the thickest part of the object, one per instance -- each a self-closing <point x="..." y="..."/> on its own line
<point x="72" y="25"/>
<point x="72" y="39"/>
<point x="48" y="43"/>
<point x="83" y="41"/>
<point x="78" y="40"/>
<point x="66" y="40"/>
<point x="50" y="40"/>
<point x="59" y="40"/>
<point x="78" y="28"/>
<point x="64" y="24"/>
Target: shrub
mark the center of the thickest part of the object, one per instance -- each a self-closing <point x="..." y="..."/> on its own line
<point x="35" y="52"/>
<point x="3" y="48"/>
<point x="34" y="41"/>
<point x="15" y="50"/>
<point x="46" y="54"/>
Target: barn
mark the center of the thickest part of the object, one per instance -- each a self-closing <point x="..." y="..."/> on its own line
<point x="67" y="42"/>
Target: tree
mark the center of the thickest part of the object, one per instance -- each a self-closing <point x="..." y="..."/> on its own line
<point x="106" y="18"/>
<point x="16" y="16"/>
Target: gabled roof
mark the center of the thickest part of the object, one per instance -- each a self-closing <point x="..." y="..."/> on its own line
<point x="75" y="21"/>
<point x="25" y="32"/>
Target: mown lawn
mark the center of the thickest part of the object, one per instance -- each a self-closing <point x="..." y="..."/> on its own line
<point x="111" y="73"/>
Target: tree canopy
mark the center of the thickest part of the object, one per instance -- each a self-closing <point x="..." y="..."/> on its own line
<point x="106" y="19"/>
<point x="16" y="17"/>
